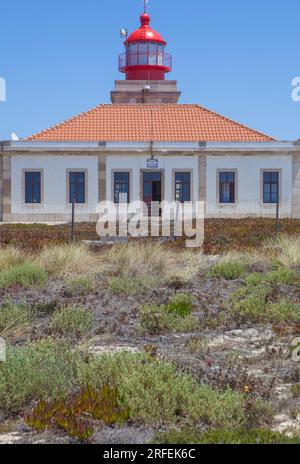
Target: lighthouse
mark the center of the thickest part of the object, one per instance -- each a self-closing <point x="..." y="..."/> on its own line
<point x="145" y="64"/>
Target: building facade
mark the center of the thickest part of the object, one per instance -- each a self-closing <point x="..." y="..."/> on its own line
<point x="145" y="146"/>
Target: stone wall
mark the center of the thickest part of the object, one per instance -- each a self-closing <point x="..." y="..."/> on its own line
<point x="137" y="92"/>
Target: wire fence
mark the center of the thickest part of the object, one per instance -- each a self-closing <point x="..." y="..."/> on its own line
<point x="73" y="214"/>
<point x="62" y="213"/>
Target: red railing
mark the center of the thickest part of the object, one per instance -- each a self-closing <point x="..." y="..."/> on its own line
<point x="130" y="59"/>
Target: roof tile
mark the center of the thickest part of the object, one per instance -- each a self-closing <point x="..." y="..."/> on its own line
<point x="156" y="123"/>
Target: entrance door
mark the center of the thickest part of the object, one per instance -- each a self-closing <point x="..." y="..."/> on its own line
<point x="152" y="191"/>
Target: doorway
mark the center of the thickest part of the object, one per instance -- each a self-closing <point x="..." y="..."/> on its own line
<point x="152" y="191"/>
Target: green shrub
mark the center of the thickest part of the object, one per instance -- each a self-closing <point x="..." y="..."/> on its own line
<point x="282" y="275"/>
<point x="180" y="305"/>
<point x="27" y="275"/>
<point x="14" y="318"/>
<point x="218" y="437"/>
<point x="71" y="321"/>
<point x="156" y="393"/>
<point x="229" y="270"/>
<point x="282" y="311"/>
<point x="248" y="304"/>
<point x="151" y="390"/>
<point x="285" y="276"/>
<point x="80" y="286"/>
<point x="41" y="370"/>
<point x="255" y="278"/>
<point x="154" y="319"/>
<point x="128" y="285"/>
<point x="75" y="414"/>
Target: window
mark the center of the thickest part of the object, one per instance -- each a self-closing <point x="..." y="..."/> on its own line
<point x="33" y="187"/>
<point x="77" y="187"/>
<point x="132" y="55"/>
<point x="153" y="54"/>
<point x="121" y="187"/>
<point x="271" y="187"/>
<point x="143" y="53"/>
<point x="160" y="55"/>
<point x="227" y="187"/>
<point x="182" y="186"/>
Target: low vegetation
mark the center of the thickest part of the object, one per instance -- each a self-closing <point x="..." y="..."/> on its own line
<point x="174" y="316"/>
<point x="14" y="319"/>
<point x="129" y="286"/>
<point x="185" y="347"/>
<point x="282" y="275"/>
<point x="71" y="321"/>
<point x="251" y="303"/>
<point x="151" y="260"/>
<point x="76" y="414"/>
<point x="229" y="270"/>
<point x="64" y="260"/>
<point x="11" y="256"/>
<point x="223" y="437"/>
<point x="151" y="391"/>
<point x="27" y="275"/>
<point x="80" y="286"/>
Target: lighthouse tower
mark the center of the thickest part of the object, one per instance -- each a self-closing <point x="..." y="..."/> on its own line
<point x="145" y="64"/>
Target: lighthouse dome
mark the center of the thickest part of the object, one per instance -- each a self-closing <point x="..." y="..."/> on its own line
<point x="145" y="57"/>
<point x="145" y="33"/>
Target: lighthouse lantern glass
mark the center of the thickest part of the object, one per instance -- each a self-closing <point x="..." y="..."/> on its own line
<point x="145" y="53"/>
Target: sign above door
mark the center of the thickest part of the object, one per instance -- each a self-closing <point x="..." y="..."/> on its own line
<point x="152" y="163"/>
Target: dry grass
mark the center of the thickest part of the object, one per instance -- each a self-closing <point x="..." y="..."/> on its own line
<point x="260" y="256"/>
<point x="286" y="249"/>
<point x="11" y="256"/>
<point x="155" y="260"/>
<point x="133" y="260"/>
<point x="65" y="260"/>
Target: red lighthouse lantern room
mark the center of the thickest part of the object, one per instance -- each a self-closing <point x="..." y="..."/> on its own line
<point x="145" y="57"/>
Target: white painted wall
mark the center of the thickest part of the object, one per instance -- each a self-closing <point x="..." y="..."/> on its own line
<point x="55" y="186"/>
<point x="138" y="163"/>
<point x="249" y="180"/>
<point x="248" y="184"/>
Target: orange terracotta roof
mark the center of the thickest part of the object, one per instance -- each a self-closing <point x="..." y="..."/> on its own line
<point x="143" y="123"/>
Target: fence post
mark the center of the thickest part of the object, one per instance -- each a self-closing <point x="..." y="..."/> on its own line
<point x="73" y="221"/>
<point x="277" y="218"/>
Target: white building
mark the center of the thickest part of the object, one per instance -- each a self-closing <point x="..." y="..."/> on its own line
<point x="146" y="146"/>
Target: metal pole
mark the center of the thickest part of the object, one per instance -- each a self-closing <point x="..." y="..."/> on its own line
<point x="277" y="218"/>
<point x="73" y="221"/>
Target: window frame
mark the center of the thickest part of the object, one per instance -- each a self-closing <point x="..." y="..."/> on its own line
<point x="77" y="170"/>
<point x="235" y="199"/>
<point x="279" y="174"/>
<point x="183" y="171"/>
<point x="35" y="171"/>
<point x="121" y="171"/>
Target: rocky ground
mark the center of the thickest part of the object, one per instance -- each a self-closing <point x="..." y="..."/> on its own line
<point x="250" y="356"/>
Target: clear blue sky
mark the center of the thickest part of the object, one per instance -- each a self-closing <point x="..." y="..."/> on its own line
<point x="237" y="57"/>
